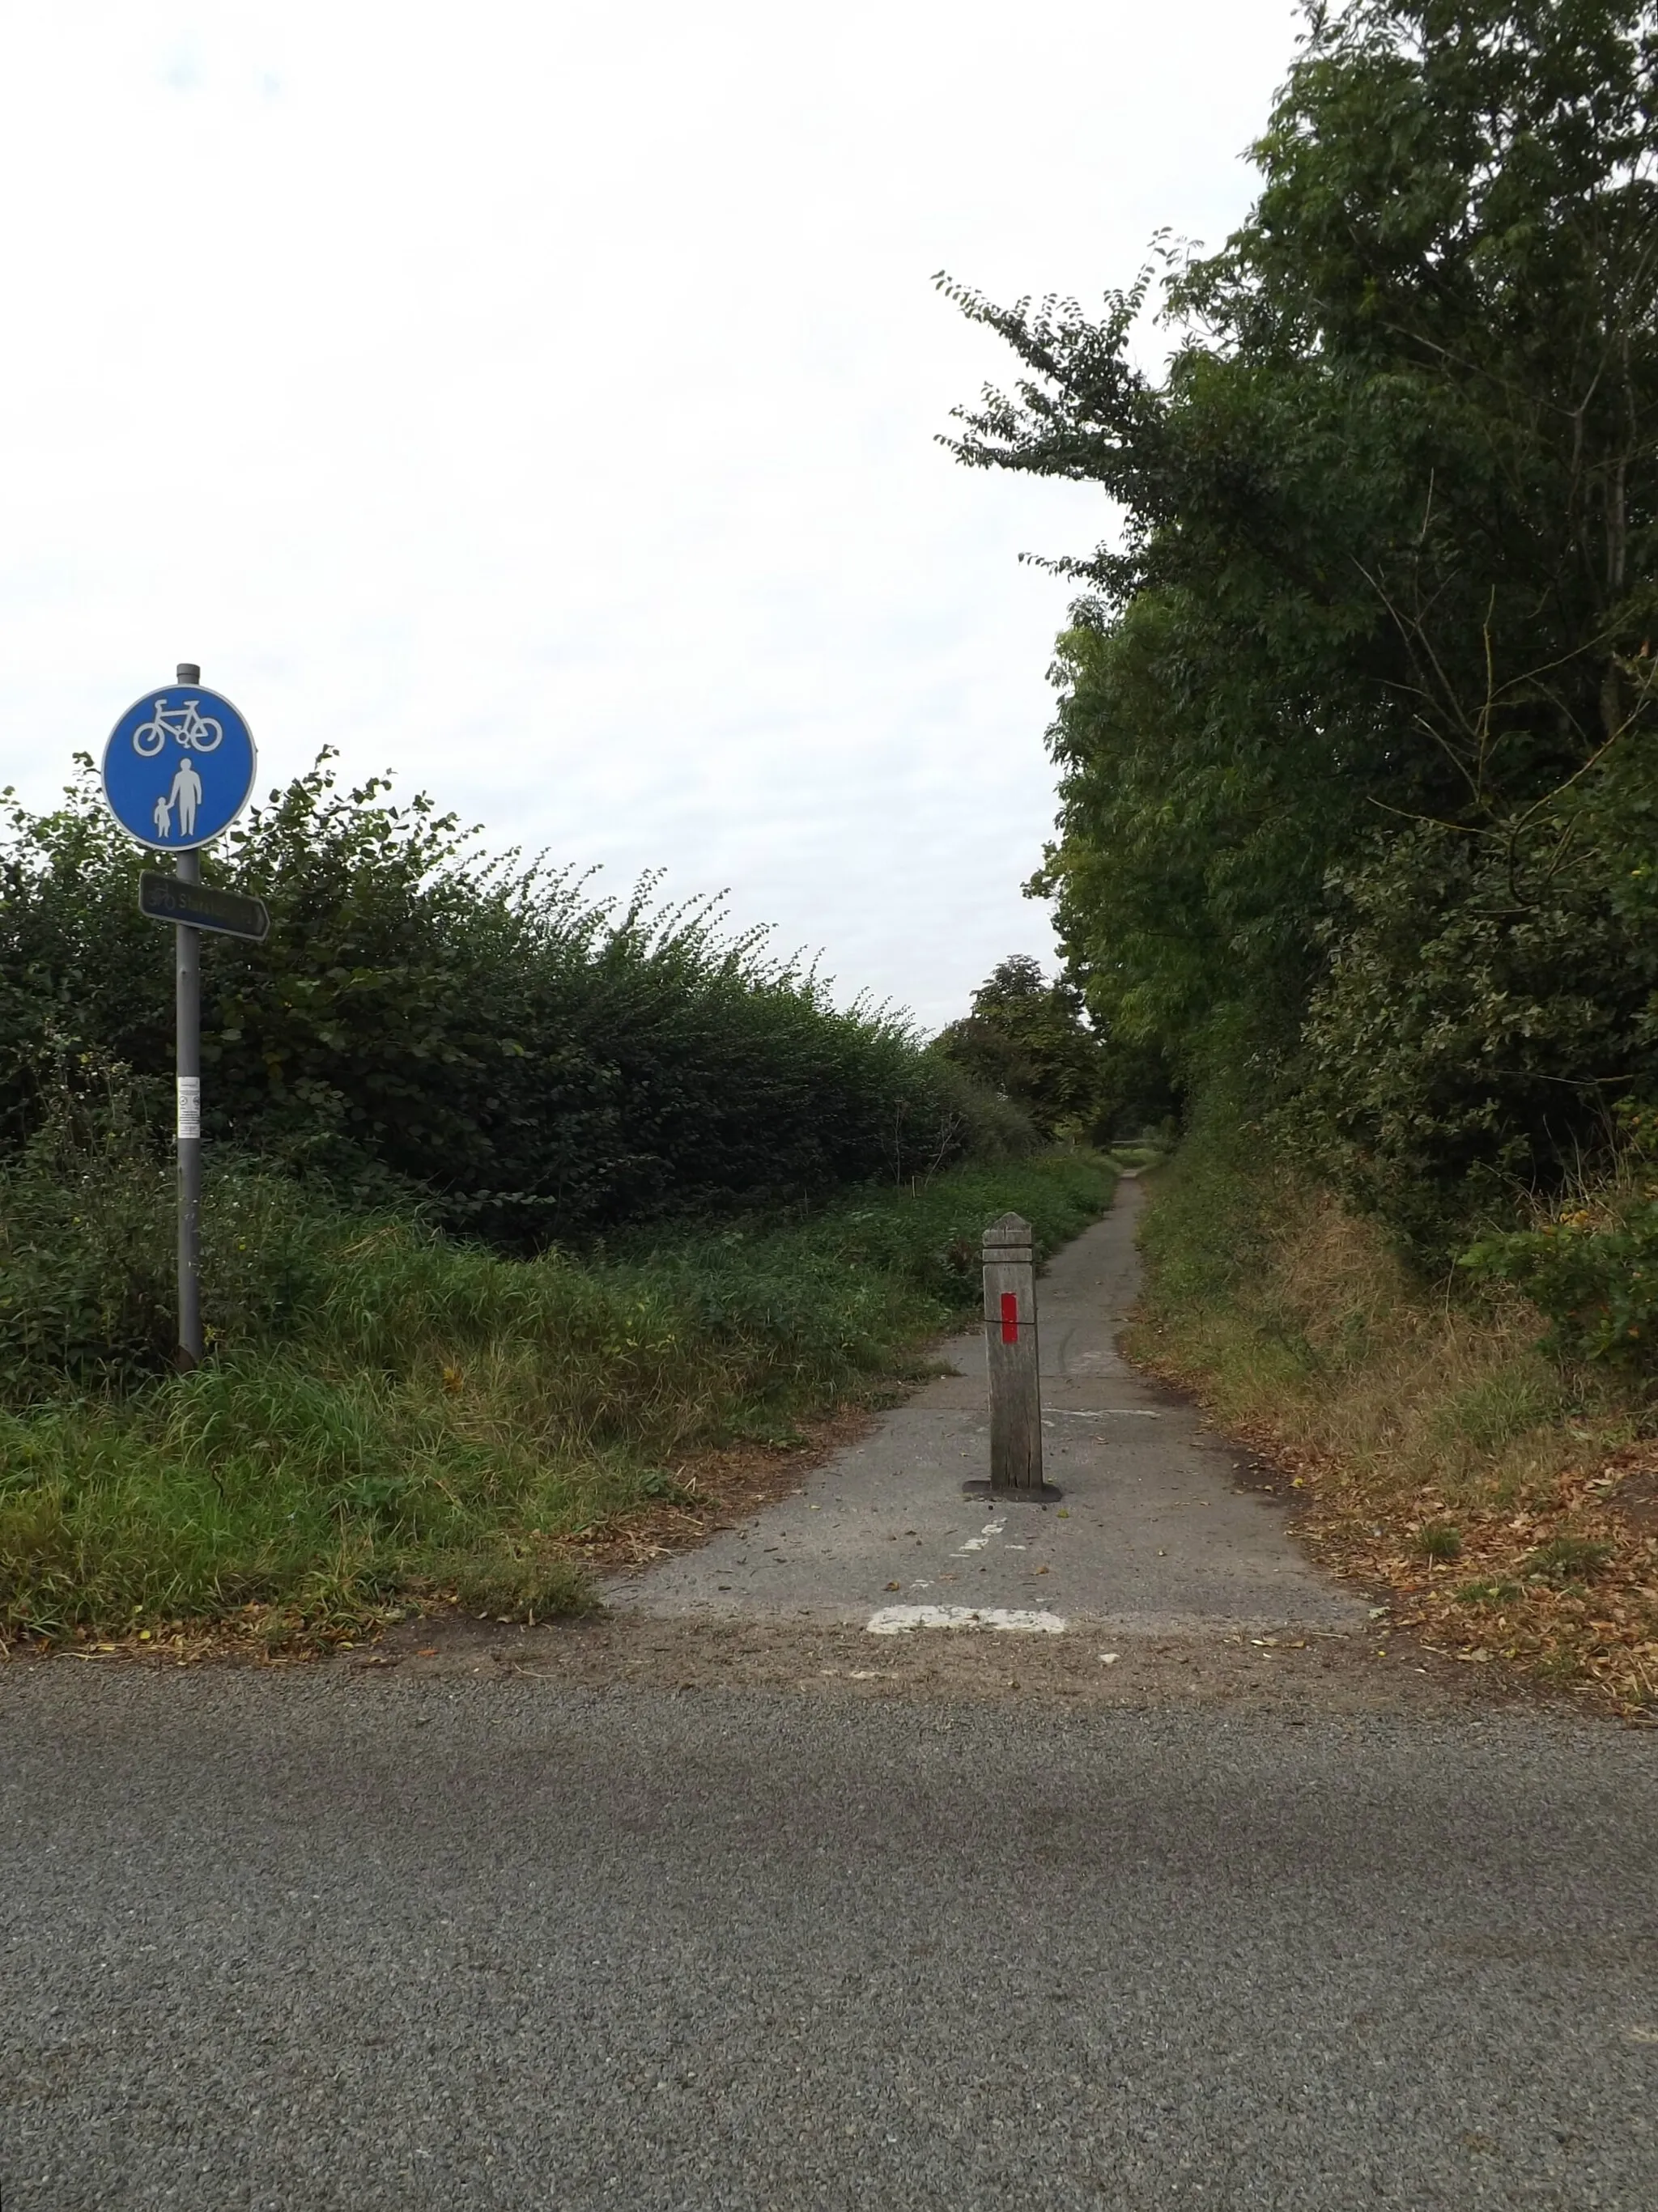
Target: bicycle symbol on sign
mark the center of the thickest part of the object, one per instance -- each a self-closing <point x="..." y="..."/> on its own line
<point x="187" y="726"/>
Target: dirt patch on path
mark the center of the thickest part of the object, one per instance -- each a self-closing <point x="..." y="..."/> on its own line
<point x="1298" y="1675"/>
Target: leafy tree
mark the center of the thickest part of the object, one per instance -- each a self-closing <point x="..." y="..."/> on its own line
<point x="1367" y="671"/>
<point x="1028" y="1039"/>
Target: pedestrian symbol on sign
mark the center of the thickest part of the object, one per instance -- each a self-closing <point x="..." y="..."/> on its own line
<point x="185" y="795"/>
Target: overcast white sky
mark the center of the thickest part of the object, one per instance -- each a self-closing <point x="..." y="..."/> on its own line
<point x="539" y="400"/>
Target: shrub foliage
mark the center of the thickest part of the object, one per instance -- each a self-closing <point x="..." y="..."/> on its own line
<point x="534" y="1062"/>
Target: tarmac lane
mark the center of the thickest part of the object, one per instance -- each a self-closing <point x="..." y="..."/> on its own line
<point x="331" y="1939"/>
<point x="1182" y="1890"/>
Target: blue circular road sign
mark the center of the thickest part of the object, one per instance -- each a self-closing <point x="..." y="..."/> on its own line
<point x="178" y="768"/>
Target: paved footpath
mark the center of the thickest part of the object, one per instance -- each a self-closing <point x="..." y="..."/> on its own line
<point x="1156" y="1534"/>
<point x="858" y="1923"/>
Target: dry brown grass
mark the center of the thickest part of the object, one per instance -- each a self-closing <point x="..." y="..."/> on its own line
<point x="1508" y="1507"/>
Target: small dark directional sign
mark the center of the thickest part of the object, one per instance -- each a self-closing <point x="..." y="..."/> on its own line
<point x="164" y="898"/>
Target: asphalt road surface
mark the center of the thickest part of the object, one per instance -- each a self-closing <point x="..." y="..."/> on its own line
<point x="856" y="1923"/>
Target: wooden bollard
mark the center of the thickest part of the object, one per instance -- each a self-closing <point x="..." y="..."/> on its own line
<point x="1011" y="1359"/>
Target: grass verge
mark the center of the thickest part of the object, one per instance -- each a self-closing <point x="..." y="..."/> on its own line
<point x="1507" y="1503"/>
<point x="423" y="1422"/>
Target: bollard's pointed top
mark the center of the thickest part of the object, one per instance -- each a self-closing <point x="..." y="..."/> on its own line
<point x="1010" y="1229"/>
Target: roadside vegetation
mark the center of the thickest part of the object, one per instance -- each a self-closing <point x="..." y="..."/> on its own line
<point x="1356" y="737"/>
<point x="519" y="1205"/>
<point x="392" y="1417"/>
<point x="1495" y="1487"/>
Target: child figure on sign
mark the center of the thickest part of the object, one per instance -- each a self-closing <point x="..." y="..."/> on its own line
<point x="163" y="819"/>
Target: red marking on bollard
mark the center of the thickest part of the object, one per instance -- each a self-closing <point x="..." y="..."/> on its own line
<point x="1010" y="1317"/>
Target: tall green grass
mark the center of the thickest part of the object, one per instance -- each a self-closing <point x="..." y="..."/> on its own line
<point x="389" y="1412"/>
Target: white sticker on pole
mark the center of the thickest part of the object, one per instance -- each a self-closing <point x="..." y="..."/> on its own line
<point x="190" y="1109"/>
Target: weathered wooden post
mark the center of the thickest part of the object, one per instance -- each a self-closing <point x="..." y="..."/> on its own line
<point x="1011" y="1357"/>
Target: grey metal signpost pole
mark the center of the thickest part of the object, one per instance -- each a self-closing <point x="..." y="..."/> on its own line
<point x="187" y="971"/>
<point x="1011" y="1357"/>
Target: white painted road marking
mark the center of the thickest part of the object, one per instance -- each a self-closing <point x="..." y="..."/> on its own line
<point x="977" y="1543"/>
<point x="899" y="1620"/>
